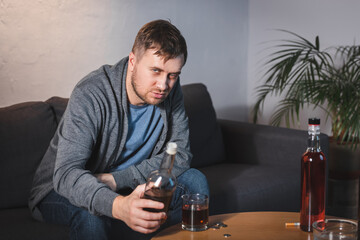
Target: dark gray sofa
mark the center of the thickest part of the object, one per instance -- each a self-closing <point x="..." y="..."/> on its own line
<point x="249" y="167"/>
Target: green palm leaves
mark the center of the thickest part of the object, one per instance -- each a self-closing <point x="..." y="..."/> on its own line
<point x="301" y="74"/>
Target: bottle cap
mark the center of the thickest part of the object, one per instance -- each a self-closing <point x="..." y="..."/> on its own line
<point x="171" y="148"/>
<point x="314" y="121"/>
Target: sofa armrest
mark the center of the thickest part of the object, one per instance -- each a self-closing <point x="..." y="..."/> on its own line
<point x="260" y="144"/>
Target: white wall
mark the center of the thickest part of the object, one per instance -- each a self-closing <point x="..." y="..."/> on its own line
<point x="47" y="46"/>
<point x="335" y="22"/>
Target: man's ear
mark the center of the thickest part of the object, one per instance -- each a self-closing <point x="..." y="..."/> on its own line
<point x="132" y="61"/>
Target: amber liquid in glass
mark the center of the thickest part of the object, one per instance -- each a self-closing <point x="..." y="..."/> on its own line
<point x="312" y="189"/>
<point x="195" y="215"/>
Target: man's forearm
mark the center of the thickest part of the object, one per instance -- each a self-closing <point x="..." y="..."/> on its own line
<point x="108" y="179"/>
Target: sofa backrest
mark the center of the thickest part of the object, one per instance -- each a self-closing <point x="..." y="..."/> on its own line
<point x="205" y="134"/>
<point x="25" y="132"/>
<point x="58" y="104"/>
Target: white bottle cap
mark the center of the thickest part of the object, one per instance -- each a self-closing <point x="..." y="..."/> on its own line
<point x="171" y="148"/>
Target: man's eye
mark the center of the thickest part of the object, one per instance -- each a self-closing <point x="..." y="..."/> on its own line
<point x="173" y="76"/>
<point x="156" y="70"/>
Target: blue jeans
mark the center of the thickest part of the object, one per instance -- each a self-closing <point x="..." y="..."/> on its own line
<point x="83" y="225"/>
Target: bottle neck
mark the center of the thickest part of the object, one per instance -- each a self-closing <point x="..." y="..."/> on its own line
<point x="314" y="138"/>
<point x="167" y="162"/>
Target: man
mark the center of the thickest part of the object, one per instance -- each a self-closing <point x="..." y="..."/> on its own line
<point x="112" y="135"/>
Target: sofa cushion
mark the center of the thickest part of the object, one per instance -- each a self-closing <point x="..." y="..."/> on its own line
<point x="246" y="187"/>
<point x="26" y="130"/>
<point x="18" y="224"/>
<point x="205" y="135"/>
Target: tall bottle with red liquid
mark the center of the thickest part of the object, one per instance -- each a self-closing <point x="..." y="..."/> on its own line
<point x="313" y="179"/>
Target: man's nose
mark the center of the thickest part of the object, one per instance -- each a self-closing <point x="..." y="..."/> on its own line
<point x="162" y="83"/>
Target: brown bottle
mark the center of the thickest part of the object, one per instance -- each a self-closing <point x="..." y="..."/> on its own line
<point x="313" y="170"/>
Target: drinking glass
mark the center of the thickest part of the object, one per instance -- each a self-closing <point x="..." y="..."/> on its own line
<point x="195" y="212"/>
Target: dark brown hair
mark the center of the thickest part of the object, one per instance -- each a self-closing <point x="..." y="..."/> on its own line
<point x="163" y="36"/>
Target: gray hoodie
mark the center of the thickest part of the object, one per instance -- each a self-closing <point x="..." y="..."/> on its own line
<point x="91" y="136"/>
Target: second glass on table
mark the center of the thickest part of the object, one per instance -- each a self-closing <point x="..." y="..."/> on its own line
<point x="195" y="212"/>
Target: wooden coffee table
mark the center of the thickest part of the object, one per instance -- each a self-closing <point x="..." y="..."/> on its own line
<point x="246" y="225"/>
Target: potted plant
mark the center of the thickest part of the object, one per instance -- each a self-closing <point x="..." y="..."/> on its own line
<point x="302" y="74"/>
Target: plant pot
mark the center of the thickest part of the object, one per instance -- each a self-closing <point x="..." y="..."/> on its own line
<point x="343" y="181"/>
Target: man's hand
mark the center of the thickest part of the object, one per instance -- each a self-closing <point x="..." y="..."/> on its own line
<point x="130" y="209"/>
<point x="108" y="179"/>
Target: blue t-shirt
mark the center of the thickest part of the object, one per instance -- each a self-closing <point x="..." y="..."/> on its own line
<point x="145" y="126"/>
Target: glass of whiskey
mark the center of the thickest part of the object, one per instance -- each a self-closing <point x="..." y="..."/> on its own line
<point x="195" y="212"/>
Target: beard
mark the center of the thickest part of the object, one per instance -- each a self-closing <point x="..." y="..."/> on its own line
<point x="135" y="87"/>
<point x="143" y="97"/>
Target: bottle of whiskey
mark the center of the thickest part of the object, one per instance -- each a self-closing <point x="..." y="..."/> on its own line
<point x="161" y="183"/>
<point x="313" y="170"/>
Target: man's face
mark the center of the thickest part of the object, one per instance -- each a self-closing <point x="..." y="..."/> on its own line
<point x="150" y="79"/>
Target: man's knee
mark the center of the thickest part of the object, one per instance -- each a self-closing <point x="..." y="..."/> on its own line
<point x="195" y="181"/>
<point x="91" y="226"/>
